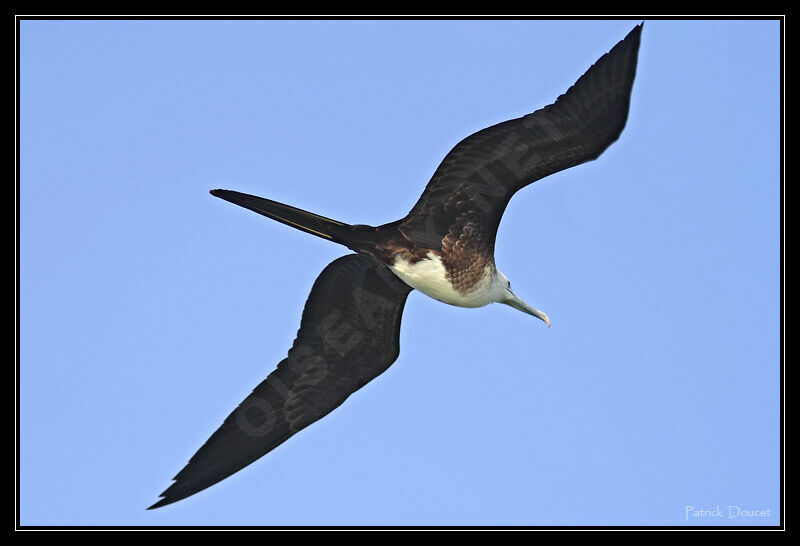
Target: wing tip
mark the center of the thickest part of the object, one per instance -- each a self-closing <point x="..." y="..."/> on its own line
<point x="165" y="498"/>
<point x="169" y="497"/>
<point x="159" y="504"/>
<point x="635" y="32"/>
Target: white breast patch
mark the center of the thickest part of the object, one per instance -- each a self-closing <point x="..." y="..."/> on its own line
<point x="430" y="277"/>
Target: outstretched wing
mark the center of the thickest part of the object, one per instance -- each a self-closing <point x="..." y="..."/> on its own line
<point x="348" y="335"/>
<point x="472" y="186"/>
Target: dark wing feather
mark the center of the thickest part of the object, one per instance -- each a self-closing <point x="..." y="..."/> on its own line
<point x="349" y="334"/>
<point x="472" y="186"/>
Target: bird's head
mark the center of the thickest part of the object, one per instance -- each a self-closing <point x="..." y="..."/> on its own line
<point x="506" y="296"/>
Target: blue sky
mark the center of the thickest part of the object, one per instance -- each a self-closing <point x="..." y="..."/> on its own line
<point x="149" y="309"/>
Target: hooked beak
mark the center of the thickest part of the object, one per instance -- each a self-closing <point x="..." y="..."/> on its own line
<point x="514" y="301"/>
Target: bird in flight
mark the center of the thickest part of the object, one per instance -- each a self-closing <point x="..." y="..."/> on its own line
<point x="350" y="328"/>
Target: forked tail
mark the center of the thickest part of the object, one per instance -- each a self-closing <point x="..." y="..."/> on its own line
<point x="305" y="221"/>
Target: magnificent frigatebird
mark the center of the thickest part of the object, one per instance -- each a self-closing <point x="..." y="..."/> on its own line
<point x="444" y="247"/>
